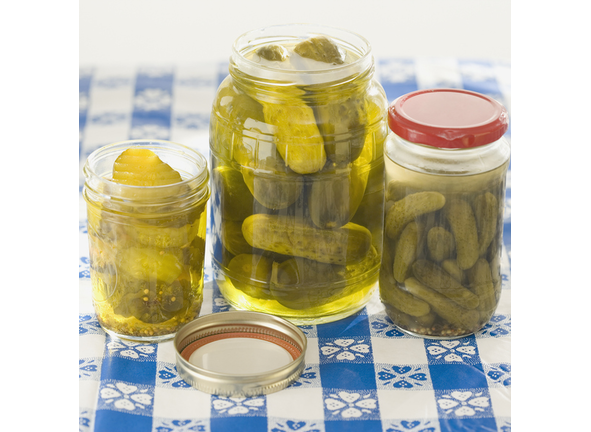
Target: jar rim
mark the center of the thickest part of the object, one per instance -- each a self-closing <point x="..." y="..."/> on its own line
<point x="301" y="30"/>
<point x="194" y="181"/>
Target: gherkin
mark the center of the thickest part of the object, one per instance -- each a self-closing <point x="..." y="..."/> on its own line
<point x="300" y="283"/>
<point x="320" y="48"/>
<point x="273" y="52"/>
<point x="296" y="135"/>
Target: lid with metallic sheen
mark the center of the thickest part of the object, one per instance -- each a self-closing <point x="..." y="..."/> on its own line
<point x="240" y="353"/>
<point x="448" y="118"/>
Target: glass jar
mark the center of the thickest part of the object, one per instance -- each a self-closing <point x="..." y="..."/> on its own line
<point x="296" y="136"/>
<point x="146" y="243"/>
<point x="446" y="164"/>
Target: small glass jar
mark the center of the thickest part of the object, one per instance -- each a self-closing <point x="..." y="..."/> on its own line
<point x="296" y="137"/>
<point x="446" y="165"/>
<point x="147" y="243"/>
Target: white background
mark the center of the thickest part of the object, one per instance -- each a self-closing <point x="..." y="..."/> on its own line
<point x="187" y="31"/>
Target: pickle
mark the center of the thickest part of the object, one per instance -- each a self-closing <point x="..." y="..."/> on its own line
<point x="391" y="294"/>
<point x="297" y="137"/>
<point x="436" y="278"/>
<point x="150" y="264"/>
<point x="440" y="243"/>
<point x="460" y="217"/>
<point x="405" y="251"/>
<point x="444" y="307"/>
<point x="273" y="52"/>
<point x="235" y="199"/>
<point x="450" y="266"/>
<point x="405" y="210"/>
<point x="250" y="273"/>
<point x="232" y="238"/>
<point x="292" y="236"/>
<point x="333" y="201"/>
<point x="142" y="167"/>
<point x="271" y="184"/>
<point x="410" y="322"/>
<point x="481" y="283"/>
<point x="232" y="108"/>
<point x="371" y="260"/>
<point x="160" y="237"/>
<point x="300" y="283"/>
<point x="486" y="211"/>
<point x="341" y="121"/>
<point x="320" y="48"/>
<point x="396" y="190"/>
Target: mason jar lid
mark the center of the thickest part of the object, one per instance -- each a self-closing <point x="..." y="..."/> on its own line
<point x="448" y="118"/>
<point x="240" y="353"/>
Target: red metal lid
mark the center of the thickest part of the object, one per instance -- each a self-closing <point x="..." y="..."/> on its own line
<point x="448" y="118"/>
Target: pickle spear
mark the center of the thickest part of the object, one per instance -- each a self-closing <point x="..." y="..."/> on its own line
<point x="297" y="137"/>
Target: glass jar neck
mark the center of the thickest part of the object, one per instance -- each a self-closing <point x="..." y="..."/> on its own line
<point x="434" y="160"/>
<point x="99" y="188"/>
<point x="245" y="68"/>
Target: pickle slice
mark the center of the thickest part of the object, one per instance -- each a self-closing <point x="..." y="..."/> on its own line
<point x="142" y="167"/>
<point x="320" y="48"/>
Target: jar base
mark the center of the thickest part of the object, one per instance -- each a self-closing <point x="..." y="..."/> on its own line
<point x="330" y="312"/>
<point x="141" y="339"/>
<point x="424" y="336"/>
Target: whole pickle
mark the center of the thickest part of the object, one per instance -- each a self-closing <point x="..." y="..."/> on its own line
<point x="438" y="279"/>
<point x="300" y="283"/>
<point x="405" y="210"/>
<point x="392" y="295"/>
<point x="486" y="212"/>
<point x="460" y="217"/>
<point x="481" y="283"/>
<point x="409" y="322"/>
<point x="272" y="185"/>
<point x="440" y="243"/>
<point x="232" y="238"/>
<point x="334" y="198"/>
<point x="451" y="267"/>
<point x="444" y="307"/>
<point x="273" y="52"/>
<point x="235" y="197"/>
<point x="320" y="48"/>
<point x="290" y="236"/>
<point x="405" y="251"/>
<point x="296" y="134"/>
<point x="341" y="121"/>
<point x="232" y="108"/>
<point x="250" y="273"/>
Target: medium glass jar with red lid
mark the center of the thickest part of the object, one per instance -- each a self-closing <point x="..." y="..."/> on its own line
<point x="446" y="165"/>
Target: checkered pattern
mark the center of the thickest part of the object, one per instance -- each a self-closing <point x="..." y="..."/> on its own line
<point x="361" y="373"/>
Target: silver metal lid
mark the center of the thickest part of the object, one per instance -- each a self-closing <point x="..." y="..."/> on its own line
<point x="240" y="353"/>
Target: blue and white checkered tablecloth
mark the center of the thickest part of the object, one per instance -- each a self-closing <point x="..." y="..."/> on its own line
<point x="362" y="374"/>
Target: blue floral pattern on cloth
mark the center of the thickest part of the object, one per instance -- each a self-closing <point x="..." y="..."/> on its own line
<point x="168" y="376"/>
<point x="126" y="397"/>
<point x="232" y="406"/>
<point x="413" y="426"/>
<point x="498" y="326"/>
<point x="180" y="425"/>
<point x="382" y="326"/>
<point x="464" y="404"/>
<point x="352" y="349"/>
<point x="281" y="425"/>
<point x="452" y="351"/>
<point x="403" y="376"/>
<point x="344" y="405"/>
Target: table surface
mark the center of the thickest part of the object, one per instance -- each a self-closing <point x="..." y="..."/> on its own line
<point x="361" y="372"/>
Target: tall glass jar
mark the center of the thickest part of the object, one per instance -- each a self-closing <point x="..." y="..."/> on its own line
<point x="147" y="243"/>
<point x="296" y="136"/>
<point x="446" y="166"/>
